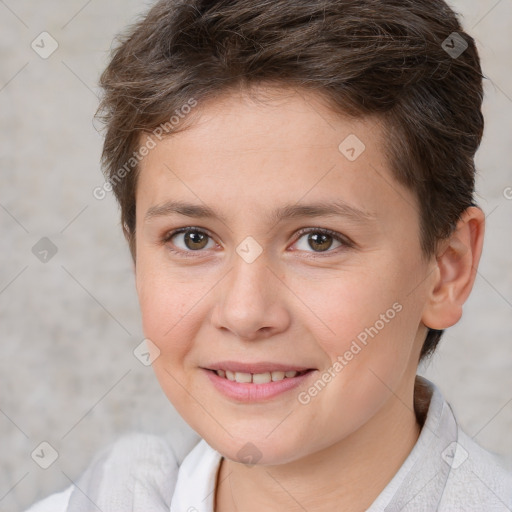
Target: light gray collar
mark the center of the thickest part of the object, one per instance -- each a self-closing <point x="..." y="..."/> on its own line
<point x="420" y="482"/>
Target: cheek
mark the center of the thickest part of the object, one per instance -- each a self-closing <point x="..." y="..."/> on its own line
<point x="351" y="305"/>
<point x="172" y="306"/>
<point x="166" y="320"/>
<point x="369" y="322"/>
<point x="162" y="303"/>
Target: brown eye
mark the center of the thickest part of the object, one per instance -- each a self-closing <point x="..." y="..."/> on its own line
<point x="187" y="240"/>
<point x="320" y="241"/>
<point x="195" y="240"/>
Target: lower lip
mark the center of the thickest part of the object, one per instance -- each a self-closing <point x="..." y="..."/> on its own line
<point x="248" y="392"/>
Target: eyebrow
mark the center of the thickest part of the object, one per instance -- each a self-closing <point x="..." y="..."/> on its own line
<point x="336" y="208"/>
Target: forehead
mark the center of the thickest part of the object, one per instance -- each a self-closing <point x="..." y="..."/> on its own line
<point x="271" y="146"/>
<point x="277" y="119"/>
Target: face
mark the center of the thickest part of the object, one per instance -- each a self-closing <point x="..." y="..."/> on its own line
<point x="261" y="275"/>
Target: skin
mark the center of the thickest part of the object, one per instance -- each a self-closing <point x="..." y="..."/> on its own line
<point x="244" y="158"/>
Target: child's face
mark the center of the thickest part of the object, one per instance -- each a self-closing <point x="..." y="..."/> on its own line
<point x="299" y="303"/>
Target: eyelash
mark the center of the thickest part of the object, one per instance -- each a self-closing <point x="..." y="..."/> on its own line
<point x="346" y="243"/>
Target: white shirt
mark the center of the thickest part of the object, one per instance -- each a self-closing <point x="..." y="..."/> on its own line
<point x="445" y="471"/>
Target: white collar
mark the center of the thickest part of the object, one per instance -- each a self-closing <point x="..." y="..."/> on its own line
<point x="195" y="487"/>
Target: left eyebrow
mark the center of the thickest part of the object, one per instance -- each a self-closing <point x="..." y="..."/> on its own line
<point x="336" y="208"/>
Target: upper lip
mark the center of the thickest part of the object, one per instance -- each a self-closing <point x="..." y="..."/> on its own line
<point x="256" y="367"/>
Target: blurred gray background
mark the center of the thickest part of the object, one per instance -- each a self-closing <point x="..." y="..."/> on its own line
<point x="68" y="375"/>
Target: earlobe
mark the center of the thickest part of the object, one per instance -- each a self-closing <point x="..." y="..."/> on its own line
<point x="455" y="271"/>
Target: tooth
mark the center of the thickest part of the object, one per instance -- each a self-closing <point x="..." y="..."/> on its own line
<point x="256" y="378"/>
<point x="243" y="377"/>
<point x="277" y="375"/>
<point x="261" y="378"/>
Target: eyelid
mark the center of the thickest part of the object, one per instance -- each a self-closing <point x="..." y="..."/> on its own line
<point x="346" y="243"/>
<point x="168" y="235"/>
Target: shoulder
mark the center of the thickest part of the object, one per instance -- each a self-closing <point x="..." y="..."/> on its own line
<point x="138" y="471"/>
<point x="477" y="476"/>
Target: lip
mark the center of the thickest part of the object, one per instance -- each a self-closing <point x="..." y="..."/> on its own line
<point x="258" y="367"/>
<point x="249" y="392"/>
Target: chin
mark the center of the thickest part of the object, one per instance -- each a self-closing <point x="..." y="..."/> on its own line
<point x="256" y="449"/>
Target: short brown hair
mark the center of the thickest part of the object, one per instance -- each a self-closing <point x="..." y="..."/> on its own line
<point x="366" y="57"/>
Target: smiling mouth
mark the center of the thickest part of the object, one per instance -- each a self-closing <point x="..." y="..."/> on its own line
<point x="258" y="378"/>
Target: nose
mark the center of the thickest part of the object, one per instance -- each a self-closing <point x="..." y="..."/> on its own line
<point x="251" y="301"/>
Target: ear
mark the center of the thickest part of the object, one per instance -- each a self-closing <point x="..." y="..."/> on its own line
<point x="455" y="271"/>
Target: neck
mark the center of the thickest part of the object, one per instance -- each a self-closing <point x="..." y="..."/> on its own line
<point x="348" y="475"/>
